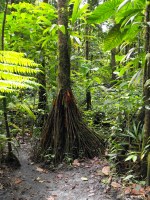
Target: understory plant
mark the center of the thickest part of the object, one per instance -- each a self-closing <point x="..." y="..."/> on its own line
<point x="16" y="74"/>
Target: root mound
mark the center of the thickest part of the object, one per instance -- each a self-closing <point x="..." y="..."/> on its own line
<point x="65" y="133"/>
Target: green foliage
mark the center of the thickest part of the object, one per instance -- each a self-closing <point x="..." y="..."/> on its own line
<point x="114" y="35"/>
<point x="12" y="66"/>
<point x="79" y="11"/>
<point x="104" y="11"/>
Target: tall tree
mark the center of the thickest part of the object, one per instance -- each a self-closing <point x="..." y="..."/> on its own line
<point x="64" y="132"/>
<point x="146" y="85"/>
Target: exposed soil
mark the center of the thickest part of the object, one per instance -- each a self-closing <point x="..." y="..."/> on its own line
<point x="31" y="181"/>
<point x="82" y="181"/>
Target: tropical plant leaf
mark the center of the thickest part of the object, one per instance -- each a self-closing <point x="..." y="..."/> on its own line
<point x="104" y="11"/>
<point x="23" y="107"/>
<point x="114" y="38"/>
<point x="11" y="57"/>
<point x="75" y="10"/>
<point x="13" y="70"/>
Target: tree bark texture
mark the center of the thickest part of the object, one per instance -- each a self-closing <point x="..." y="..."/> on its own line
<point x="42" y="94"/>
<point x="64" y="133"/>
<point x="113" y="63"/>
<point x="63" y="47"/>
<point x="146" y="86"/>
<point x="88" y="92"/>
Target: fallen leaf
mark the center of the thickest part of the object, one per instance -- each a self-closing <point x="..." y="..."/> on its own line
<point x="60" y="176"/>
<point x="127" y="190"/>
<point x="76" y="163"/>
<point x="106" y="170"/>
<point x="41" y="170"/>
<point x="1" y="186"/>
<point x="138" y="190"/>
<point x="50" y="198"/>
<point x="38" y="178"/>
<point x="115" y="185"/>
<point x="84" y="179"/>
<point x="17" y="181"/>
<point x="92" y="194"/>
<point x="110" y="179"/>
<point x="41" y="181"/>
<point x="148" y="189"/>
<point x="107" y="189"/>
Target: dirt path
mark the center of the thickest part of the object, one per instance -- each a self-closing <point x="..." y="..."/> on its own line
<point x="31" y="182"/>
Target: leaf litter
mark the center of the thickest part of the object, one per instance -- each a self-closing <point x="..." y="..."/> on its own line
<point x="83" y="180"/>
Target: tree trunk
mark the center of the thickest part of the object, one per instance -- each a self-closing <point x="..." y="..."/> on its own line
<point x="146" y="86"/>
<point x="4" y="100"/>
<point x="88" y="92"/>
<point x="11" y="158"/>
<point x="113" y="64"/>
<point x="63" y="47"/>
<point x="64" y="133"/>
<point x="42" y="95"/>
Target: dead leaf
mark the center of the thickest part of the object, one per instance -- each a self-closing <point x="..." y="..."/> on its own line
<point x="110" y="179"/>
<point x="60" y="176"/>
<point x="115" y="185"/>
<point x="92" y="194"/>
<point x="76" y="163"/>
<point x="127" y="190"/>
<point x="1" y="186"/>
<point x="50" y="198"/>
<point x="84" y="178"/>
<point x="18" y="180"/>
<point x="138" y="190"/>
<point x="148" y="189"/>
<point x="39" y="169"/>
<point x="41" y="181"/>
<point x="106" y="170"/>
<point x="38" y="178"/>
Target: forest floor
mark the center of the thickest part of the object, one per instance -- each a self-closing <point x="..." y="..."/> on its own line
<point x="83" y="180"/>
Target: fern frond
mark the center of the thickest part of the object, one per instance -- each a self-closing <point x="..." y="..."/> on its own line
<point x="17" y="69"/>
<point x="6" y="90"/>
<point x="1" y="97"/>
<point x="16" y="77"/>
<point x="11" y="57"/>
<point x="14" y="84"/>
<point x="14" y="69"/>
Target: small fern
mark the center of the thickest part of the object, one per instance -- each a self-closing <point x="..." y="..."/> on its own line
<point x="16" y="72"/>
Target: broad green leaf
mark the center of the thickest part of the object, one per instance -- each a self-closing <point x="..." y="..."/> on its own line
<point x="136" y="78"/>
<point x="131" y="32"/>
<point x="123" y="4"/>
<point x="114" y="38"/>
<point x="104" y="11"/>
<point x="75" y="10"/>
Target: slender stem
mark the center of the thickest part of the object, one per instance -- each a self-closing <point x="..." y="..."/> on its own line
<point x="7" y="126"/>
<point x="3" y="25"/>
<point x="4" y="100"/>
